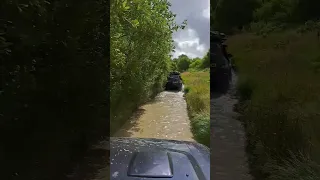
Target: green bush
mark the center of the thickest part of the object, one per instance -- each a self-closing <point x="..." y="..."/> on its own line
<point x="245" y="89"/>
<point x="141" y="43"/>
<point x="279" y="92"/>
<point x="309" y="26"/>
<point x="233" y="16"/>
<point x="200" y="124"/>
<point x="186" y="90"/>
<point x="265" y="28"/>
<point x="197" y="89"/>
<point x="296" y="167"/>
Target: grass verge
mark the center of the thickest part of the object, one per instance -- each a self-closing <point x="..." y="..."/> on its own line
<point x="197" y="89"/>
<point x="280" y="102"/>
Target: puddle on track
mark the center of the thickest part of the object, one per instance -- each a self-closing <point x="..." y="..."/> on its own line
<point x="228" y="156"/>
<point x="165" y="117"/>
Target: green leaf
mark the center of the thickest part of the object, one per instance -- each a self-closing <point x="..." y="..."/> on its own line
<point x="124" y="5"/>
<point x="135" y="23"/>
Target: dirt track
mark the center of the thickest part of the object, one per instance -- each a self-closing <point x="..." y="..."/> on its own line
<point x="165" y="117"/>
<point x="228" y="157"/>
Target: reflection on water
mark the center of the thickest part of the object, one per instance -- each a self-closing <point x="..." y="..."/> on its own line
<point x="228" y="158"/>
<point x="165" y="117"/>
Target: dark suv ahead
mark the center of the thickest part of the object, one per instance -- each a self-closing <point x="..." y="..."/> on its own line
<point x="174" y="81"/>
<point x="221" y="69"/>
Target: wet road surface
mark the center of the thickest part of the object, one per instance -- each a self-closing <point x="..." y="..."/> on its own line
<point x="165" y="117"/>
<point x="228" y="157"/>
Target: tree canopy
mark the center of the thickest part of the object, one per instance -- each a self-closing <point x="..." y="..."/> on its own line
<point x="185" y="63"/>
<point x="232" y="15"/>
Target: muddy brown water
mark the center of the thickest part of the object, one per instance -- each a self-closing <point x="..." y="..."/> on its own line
<point x="228" y="156"/>
<point x="165" y="117"/>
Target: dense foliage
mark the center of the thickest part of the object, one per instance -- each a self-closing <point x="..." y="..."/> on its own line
<point x="262" y="15"/>
<point x="184" y="63"/>
<point x="197" y="94"/>
<point x="279" y="90"/>
<point x="53" y="90"/>
<point x="141" y="44"/>
<point x="278" y="82"/>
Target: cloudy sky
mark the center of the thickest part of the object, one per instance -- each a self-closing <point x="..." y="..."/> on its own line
<point x="194" y="40"/>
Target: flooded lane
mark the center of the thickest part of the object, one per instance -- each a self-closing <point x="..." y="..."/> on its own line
<point x="165" y="117"/>
<point x="228" y="157"/>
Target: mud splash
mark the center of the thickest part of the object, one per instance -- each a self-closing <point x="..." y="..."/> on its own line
<point x="165" y="117"/>
<point x="228" y="157"/>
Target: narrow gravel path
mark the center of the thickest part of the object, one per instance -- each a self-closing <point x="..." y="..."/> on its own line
<point x="228" y="157"/>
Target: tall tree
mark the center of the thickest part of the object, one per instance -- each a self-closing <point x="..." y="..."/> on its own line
<point x="183" y="63"/>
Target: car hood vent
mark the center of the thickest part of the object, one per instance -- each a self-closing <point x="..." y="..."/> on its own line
<point x="137" y="159"/>
<point x="151" y="165"/>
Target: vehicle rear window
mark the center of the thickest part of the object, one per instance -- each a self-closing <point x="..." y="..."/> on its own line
<point x="175" y="76"/>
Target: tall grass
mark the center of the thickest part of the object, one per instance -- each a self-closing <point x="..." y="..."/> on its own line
<point x="197" y="89"/>
<point x="280" y="95"/>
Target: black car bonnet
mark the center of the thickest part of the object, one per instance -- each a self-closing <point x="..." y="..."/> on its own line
<point x="133" y="159"/>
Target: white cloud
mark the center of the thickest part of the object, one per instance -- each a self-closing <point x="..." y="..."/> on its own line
<point x="194" y="41"/>
<point x="188" y="42"/>
<point x="177" y="53"/>
<point x="206" y="13"/>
